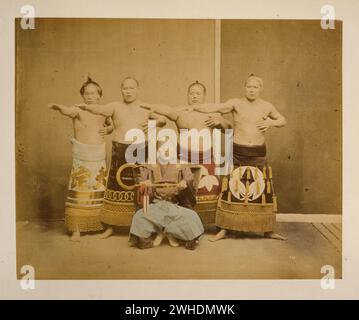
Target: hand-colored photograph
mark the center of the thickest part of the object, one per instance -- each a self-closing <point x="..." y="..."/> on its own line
<point x="178" y="149"/>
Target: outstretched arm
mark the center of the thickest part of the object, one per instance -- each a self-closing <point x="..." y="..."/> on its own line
<point x="71" y="112"/>
<point x="224" y="107"/>
<point x="160" y="121"/>
<point x="102" y="110"/>
<point x="163" y="110"/>
<point x="217" y="121"/>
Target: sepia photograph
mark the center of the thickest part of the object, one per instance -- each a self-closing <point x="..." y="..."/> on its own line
<point x="178" y="149"/>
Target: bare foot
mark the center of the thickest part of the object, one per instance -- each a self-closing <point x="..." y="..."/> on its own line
<point x="273" y="235"/>
<point x="191" y="245"/>
<point x="219" y="236"/>
<point x="108" y="233"/>
<point x="132" y="240"/>
<point x="75" y="236"/>
<point x="145" y="243"/>
<point x="172" y="241"/>
<point x="158" y="239"/>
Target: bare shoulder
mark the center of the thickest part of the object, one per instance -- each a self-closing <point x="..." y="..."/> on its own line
<point x="235" y="101"/>
<point x="183" y="108"/>
<point x="85" y="116"/>
<point x="114" y="104"/>
<point x="140" y="103"/>
<point x="240" y="102"/>
<point x="267" y="105"/>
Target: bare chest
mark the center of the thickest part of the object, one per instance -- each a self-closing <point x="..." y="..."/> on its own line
<point x="130" y="116"/>
<point x="89" y="120"/>
<point x="250" y="113"/>
<point x="192" y="119"/>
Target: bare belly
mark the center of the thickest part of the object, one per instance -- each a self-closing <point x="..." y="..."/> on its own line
<point x="192" y="120"/>
<point x="89" y="136"/>
<point x="248" y="135"/>
<point x="120" y="137"/>
<point x="127" y="121"/>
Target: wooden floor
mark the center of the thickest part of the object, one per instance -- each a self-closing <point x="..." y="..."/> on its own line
<point x="331" y="232"/>
<point x="310" y="245"/>
<point x="329" y="226"/>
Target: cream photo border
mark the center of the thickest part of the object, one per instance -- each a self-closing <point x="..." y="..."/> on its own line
<point x="348" y="287"/>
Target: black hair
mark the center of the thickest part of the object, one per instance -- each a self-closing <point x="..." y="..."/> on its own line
<point x="197" y="84"/>
<point x="256" y="77"/>
<point x="130" y="78"/>
<point x="88" y="82"/>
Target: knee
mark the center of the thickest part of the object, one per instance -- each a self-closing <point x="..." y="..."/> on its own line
<point x="190" y="212"/>
<point x="137" y="216"/>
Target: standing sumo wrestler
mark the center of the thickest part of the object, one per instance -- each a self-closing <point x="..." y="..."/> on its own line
<point x="88" y="175"/>
<point x="248" y="201"/>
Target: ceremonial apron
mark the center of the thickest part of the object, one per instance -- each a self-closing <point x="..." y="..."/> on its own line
<point x="208" y="189"/>
<point x="247" y="201"/>
<point x="118" y="205"/>
<point x="86" y="187"/>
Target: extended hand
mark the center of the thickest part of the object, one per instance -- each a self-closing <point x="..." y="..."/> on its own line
<point x="214" y="121"/>
<point x="144" y="126"/>
<point x="102" y="131"/>
<point x="82" y="106"/>
<point x="154" y="116"/>
<point x="54" y="106"/>
<point x="265" y="124"/>
<point x="148" y="107"/>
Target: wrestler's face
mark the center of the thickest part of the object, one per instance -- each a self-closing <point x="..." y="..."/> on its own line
<point x="129" y="90"/>
<point x="253" y="89"/>
<point x="196" y="95"/>
<point x="91" y="94"/>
